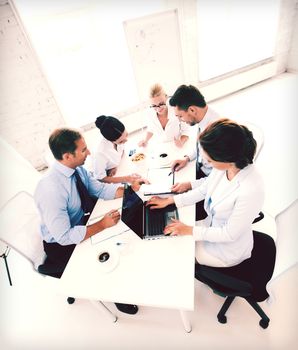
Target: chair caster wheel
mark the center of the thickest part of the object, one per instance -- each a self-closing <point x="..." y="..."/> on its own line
<point x="70" y="300"/>
<point x="264" y="323"/>
<point x="222" y="319"/>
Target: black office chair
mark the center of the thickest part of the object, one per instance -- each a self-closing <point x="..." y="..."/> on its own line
<point x="247" y="280"/>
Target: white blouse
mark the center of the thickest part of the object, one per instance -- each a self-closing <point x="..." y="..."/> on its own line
<point x="106" y="157"/>
<point x="173" y="129"/>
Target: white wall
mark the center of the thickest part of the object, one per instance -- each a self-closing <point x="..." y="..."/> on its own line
<point x="28" y="111"/>
<point x="287" y="239"/>
<point x="292" y="63"/>
<point x="284" y="36"/>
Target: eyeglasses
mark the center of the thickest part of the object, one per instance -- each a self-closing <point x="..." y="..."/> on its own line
<point x="158" y="106"/>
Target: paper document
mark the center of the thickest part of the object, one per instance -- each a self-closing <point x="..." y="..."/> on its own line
<point x="102" y="207"/>
<point x="151" y="190"/>
<point x="110" y="232"/>
<point x="161" y="181"/>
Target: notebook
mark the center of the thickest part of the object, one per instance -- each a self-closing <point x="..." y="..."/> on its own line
<point x="145" y="222"/>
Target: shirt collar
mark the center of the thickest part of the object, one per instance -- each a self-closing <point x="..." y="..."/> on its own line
<point x="63" y="169"/>
<point x="207" y="118"/>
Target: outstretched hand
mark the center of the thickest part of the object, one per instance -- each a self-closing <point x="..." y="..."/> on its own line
<point x="158" y="202"/>
<point x="181" y="187"/>
<point x="176" y="227"/>
<point x="142" y="143"/>
<point x="136" y="183"/>
<point x="111" y="218"/>
<point x="133" y="177"/>
<point x="178" y="164"/>
<point x="178" y="142"/>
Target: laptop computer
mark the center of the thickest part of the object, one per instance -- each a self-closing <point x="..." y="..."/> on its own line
<point x="145" y="222"/>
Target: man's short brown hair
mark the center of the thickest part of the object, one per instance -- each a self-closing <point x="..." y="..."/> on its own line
<point x="63" y="140"/>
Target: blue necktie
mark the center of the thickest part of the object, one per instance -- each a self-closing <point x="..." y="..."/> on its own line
<point x="87" y="201"/>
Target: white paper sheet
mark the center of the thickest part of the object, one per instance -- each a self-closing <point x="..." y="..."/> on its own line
<point x="160" y="181"/>
<point x="110" y="232"/>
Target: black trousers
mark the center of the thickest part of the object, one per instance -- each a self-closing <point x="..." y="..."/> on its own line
<point x="56" y="260"/>
<point x="200" y="211"/>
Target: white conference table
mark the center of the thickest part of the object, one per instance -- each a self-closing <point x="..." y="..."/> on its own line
<point x="158" y="273"/>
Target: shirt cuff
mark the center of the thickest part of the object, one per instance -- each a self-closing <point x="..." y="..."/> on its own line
<point x="75" y="235"/>
<point x="191" y="156"/>
<point x="81" y="233"/>
<point x="178" y="199"/>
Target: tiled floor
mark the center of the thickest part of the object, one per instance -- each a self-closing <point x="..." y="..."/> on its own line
<point x="33" y="316"/>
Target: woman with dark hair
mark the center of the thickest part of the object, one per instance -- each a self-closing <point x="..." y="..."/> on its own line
<point x="233" y="196"/>
<point x="110" y="151"/>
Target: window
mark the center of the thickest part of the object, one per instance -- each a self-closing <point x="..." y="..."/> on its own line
<point x="233" y="34"/>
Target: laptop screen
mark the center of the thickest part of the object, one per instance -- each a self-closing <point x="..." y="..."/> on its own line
<point x="132" y="211"/>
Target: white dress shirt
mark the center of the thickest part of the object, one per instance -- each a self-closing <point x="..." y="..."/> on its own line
<point x="209" y="117"/>
<point x="173" y="129"/>
<point x="106" y="157"/>
<point x="231" y="207"/>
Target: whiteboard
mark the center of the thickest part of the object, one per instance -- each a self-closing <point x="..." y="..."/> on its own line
<point x="155" y="50"/>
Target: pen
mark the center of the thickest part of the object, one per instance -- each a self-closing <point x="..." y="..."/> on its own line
<point x="174" y="169"/>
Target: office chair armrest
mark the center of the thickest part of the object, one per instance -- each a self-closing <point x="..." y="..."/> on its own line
<point x="259" y="217"/>
<point x="222" y="282"/>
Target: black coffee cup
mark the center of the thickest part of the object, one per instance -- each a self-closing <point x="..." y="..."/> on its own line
<point x="103" y="257"/>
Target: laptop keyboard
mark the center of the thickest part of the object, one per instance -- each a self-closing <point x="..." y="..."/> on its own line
<point x="156" y="222"/>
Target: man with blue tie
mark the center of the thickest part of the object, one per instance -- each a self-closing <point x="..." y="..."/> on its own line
<point x="191" y="107"/>
<point x="65" y="197"/>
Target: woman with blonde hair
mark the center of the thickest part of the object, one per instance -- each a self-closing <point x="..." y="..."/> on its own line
<point x="162" y="122"/>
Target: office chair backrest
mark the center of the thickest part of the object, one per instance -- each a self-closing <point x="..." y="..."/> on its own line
<point x="262" y="264"/>
<point x="19" y="224"/>
<point x="16" y="173"/>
